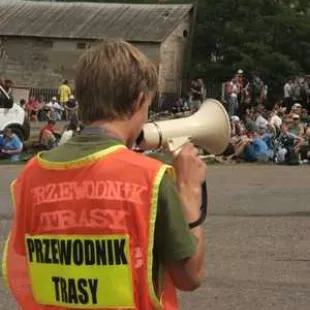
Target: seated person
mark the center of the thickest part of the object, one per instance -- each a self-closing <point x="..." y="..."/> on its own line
<point x="10" y="146"/>
<point x="48" y="137"/>
<point x="289" y="145"/>
<point x="257" y="148"/>
<point x="296" y="127"/>
<point x="55" y="110"/>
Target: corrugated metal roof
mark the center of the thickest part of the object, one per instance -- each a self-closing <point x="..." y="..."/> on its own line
<point x="131" y="22"/>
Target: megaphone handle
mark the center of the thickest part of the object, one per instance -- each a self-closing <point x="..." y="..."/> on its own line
<point x="203" y="208"/>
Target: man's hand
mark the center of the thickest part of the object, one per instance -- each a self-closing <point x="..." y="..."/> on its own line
<point x="191" y="173"/>
<point x="191" y="170"/>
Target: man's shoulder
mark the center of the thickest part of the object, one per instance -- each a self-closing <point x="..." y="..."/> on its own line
<point x="16" y="138"/>
<point x="140" y="159"/>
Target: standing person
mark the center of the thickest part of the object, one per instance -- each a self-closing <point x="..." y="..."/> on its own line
<point x="288" y="94"/>
<point x="233" y="92"/>
<point x="64" y="93"/>
<point x="196" y="95"/>
<point x="257" y="90"/>
<point x="107" y="227"/>
<point x="6" y="98"/>
<point x="8" y="86"/>
<point x="71" y="108"/>
<point x="241" y="82"/>
<point x="203" y="89"/>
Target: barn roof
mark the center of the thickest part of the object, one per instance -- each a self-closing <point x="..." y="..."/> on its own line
<point x="131" y="22"/>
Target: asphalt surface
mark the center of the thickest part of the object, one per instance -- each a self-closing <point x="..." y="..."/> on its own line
<point x="257" y="239"/>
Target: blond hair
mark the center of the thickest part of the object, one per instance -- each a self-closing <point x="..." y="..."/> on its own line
<point x="110" y="77"/>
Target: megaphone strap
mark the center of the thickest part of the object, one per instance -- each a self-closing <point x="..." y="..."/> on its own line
<point x="203" y="208"/>
<point x="160" y="136"/>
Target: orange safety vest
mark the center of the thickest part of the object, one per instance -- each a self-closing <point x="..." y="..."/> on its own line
<point x="83" y="234"/>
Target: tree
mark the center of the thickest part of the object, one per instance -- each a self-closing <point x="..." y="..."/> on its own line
<point x="253" y="35"/>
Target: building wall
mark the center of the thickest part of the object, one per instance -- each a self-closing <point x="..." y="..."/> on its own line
<point x="44" y="63"/>
<point x="172" y="59"/>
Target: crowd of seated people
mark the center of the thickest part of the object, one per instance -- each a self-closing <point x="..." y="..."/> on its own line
<point x="270" y="136"/>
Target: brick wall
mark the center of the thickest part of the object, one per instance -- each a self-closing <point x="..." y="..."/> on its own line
<point x="44" y="63"/>
<point x="172" y="59"/>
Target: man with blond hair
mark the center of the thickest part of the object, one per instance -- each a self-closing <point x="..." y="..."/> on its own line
<point x="98" y="225"/>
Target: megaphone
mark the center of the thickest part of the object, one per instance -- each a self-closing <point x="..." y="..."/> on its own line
<point x="208" y="128"/>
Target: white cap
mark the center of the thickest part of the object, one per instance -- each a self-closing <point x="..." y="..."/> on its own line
<point x="54" y="98"/>
<point x="71" y="97"/>
<point x="296" y="105"/>
<point x="235" y="118"/>
<point x="240" y="71"/>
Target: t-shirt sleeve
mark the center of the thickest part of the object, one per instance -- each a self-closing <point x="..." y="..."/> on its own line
<point x="17" y="144"/>
<point x="173" y="239"/>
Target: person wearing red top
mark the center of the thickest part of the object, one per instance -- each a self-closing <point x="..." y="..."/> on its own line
<point x="32" y="107"/>
<point x="48" y="136"/>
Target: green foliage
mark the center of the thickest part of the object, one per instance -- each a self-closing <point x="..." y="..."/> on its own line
<point x="262" y="35"/>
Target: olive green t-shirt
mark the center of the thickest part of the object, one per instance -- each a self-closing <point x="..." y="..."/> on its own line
<point x="173" y="240"/>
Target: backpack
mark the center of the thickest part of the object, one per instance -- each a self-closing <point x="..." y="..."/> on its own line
<point x="291" y="157"/>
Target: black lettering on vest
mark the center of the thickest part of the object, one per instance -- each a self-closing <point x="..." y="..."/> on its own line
<point x="77" y="252"/>
<point x="110" y="252"/>
<point x="54" y="250"/>
<point x="89" y="252"/>
<point x="47" y="258"/>
<point x="30" y="245"/>
<point x="64" y="295"/>
<point x="93" y="286"/>
<point x="119" y="251"/>
<point x="72" y="292"/>
<point x="83" y="296"/>
<point x="64" y="247"/>
<point x="39" y="252"/>
<point x="101" y="253"/>
<point x="56" y="287"/>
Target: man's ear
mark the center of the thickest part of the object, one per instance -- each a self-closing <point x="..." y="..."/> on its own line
<point x="139" y="102"/>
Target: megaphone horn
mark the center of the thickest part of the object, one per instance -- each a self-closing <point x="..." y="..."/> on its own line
<point x="208" y="128"/>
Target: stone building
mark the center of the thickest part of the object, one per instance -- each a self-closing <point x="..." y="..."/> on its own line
<point x="40" y="42"/>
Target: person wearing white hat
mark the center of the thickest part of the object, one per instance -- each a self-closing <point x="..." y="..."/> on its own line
<point x="55" y="109"/>
<point x="296" y="127"/>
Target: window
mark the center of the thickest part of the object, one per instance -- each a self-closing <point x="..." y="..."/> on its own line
<point x="81" y="46"/>
<point x="185" y="33"/>
<point x="48" y="43"/>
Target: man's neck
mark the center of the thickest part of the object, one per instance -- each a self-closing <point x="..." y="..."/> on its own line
<point x="119" y="129"/>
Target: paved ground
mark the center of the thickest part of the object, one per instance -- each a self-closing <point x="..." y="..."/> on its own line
<point x="257" y="239"/>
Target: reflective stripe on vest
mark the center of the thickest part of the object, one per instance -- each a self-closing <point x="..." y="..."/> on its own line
<point x="80" y="248"/>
